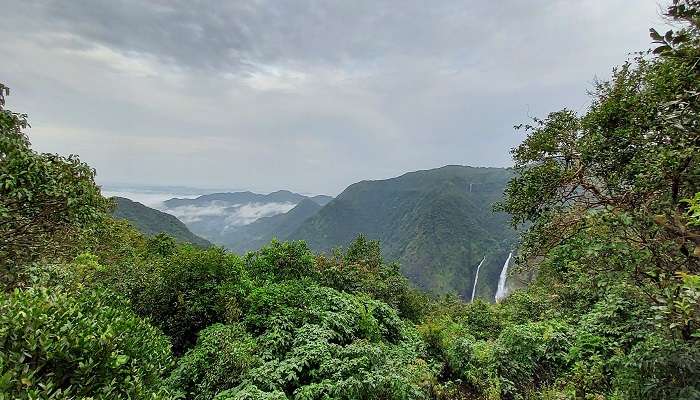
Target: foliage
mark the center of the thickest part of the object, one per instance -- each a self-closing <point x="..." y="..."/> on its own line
<point x="362" y="269"/>
<point x="57" y="345"/>
<point x="45" y="199"/>
<point x="316" y="342"/>
<point x="609" y="201"/>
<point x="181" y="292"/>
<point x="222" y="354"/>
<point x="611" y="198"/>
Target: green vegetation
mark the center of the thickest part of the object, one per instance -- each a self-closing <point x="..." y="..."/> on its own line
<point x="152" y="222"/>
<point x="91" y="308"/>
<point x="438" y="224"/>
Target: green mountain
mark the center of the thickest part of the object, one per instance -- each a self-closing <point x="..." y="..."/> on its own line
<point x="321" y="199"/>
<point x="437" y="223"/>
<point x="151" y="222"/>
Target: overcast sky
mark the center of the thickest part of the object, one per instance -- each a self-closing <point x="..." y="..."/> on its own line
<point x="303" y="95"/>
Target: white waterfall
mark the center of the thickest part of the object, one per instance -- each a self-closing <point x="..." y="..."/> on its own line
<point x="476" y="279"/>
<point x="501" y="291"/>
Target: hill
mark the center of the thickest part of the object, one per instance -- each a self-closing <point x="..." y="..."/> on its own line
<point x="151" y="222"/>
<point x="437" y="223"/>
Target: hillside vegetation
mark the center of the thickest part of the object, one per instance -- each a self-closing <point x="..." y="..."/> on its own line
<point x="438" y="224"/>
<point x="610" y="204"/>
<point x="152" y="222"/>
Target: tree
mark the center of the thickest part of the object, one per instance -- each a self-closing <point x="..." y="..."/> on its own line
<point x="611" y="198"/>
<point x="45" y="199"/>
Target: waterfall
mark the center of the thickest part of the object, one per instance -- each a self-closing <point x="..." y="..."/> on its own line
<point x="476" y="278"/>
<point x="501" y="291"/>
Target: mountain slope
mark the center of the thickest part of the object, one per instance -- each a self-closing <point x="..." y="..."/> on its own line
<point x="321" y="199"/>
<point x="437" y="223"/>
<point x="255" y="235"/>
<point x="151" y="222"/>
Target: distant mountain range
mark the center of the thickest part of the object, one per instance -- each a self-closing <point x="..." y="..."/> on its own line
<point x="224" y="218"/>
<point x="437" y="223"/>
<point x="151" y="222"/>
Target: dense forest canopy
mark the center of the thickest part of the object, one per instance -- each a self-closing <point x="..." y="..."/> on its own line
<point x="609" y="201"/>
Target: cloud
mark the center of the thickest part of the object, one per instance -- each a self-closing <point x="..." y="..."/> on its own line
<point x="195" y="213"/>
<point x="306" y="95"/>
<point x="248" y="213"/>
<point x="231" y="215"/>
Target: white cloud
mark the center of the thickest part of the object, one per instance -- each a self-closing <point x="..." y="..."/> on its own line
<point x="194" y="213"/>
<point x="232" y="215"/>
<point x="248" y="213"/>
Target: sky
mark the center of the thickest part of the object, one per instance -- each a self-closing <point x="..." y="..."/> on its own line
<point x="304" y="95"/>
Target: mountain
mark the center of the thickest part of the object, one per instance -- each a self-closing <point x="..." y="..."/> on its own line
<point x="151" y="222"/>
<point x="437" y="223"/>
<point x="321" y="199"/>
<point x="280" y="196"/>
<point x="262" y="231"/>
<point x="231" y="219"/>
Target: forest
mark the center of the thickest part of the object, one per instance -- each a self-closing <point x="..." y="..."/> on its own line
<point x="608" y="207"/>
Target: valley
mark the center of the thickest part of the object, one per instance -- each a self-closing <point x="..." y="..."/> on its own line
<point x="437" y="224"/>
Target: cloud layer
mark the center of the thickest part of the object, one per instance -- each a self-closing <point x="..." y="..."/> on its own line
<point x="303" y="95"/>
<point x="233" y="215"/>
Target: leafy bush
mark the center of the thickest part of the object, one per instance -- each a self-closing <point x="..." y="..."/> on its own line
<point x="531" y="355"/>
<point x="280" y="261"/>
<point x="58" y="345"/>
<point x="361" y="269"/>
<point x="222" y="355"/>
<point x="182" y="293"/>
<point x="316" y="342"/>
<point x="659" y="368"/>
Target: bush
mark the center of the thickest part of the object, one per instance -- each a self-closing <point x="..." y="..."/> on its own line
<point x="56" y="345"/>
<point x="182" y="293"/>
<point x="660" y="368"/>
<point x="222" y="355"/>
<point x="532" y="355"/>
<point x="281" y="260"/>
<point x="361" y="269"/>
<point x="316" y="342"/>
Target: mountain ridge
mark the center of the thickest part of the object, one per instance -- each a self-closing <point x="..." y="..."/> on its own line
<point x="150" y="221"/>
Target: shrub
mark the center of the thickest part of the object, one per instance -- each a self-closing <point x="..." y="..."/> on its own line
<point x="660" y="368"/>
<point x="56" y="345"/>
<point x="316" y="342"/>
<point x="182" y="293"/>
<point x="531" y="355"/>
<point x="280" y="261"/>
<point x="222" y="355"/>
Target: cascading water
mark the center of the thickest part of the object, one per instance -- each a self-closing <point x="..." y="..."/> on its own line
<point x="501" y="290"/>
<point x="476" y="278"/>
